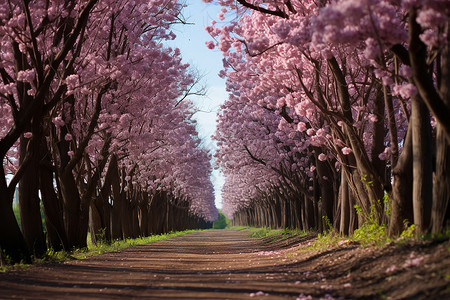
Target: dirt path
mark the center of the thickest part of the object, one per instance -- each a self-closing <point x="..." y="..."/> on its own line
<point x="226" y="264"/>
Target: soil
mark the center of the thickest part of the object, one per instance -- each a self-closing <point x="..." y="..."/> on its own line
<point x="227" y="264"/>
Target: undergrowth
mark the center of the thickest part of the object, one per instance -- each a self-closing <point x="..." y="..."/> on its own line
<point x="275" y="234"/>
<point x="370" y="234"/>
<point x="95" y="249"/>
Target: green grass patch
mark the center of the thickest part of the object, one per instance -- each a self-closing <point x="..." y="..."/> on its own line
<point x="325" y="240"/>
<point x="96" y="249"/>
<point x="243" y="228"/>
<point x="274" y="234"/>
<point x="117" y="245"/>
<point x="371" y="232"/>
<point x="264" y="232"/>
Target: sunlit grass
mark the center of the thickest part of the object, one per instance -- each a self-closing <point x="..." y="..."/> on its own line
<point x="275" y="234"/>
<point x="95" y="249"/>
<point x="117" y="245"/>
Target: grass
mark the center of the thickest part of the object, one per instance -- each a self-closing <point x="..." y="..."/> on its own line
<point x="117" y="245"/>
<point x="275" y="234"/>
<point x="95" y="249"/>
<point x="370" y="234"/>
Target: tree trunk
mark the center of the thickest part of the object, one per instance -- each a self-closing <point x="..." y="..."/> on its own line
<point x="422" y="165"/>
<point x="378" y="134"/>
<point x="73" y="212"/>
<point x="29" y="202"/>
<point x="116" y="221"/>
<point x="144" y="215"/>
<point x="56" y="234"/>
<point x="402" y="178"/>
<point x="95" y="224"/>
<point x="324" y="177"/>
<point x="441" y="192"/>
<point x="12" y="242"/>
<point x="344" y="198"/>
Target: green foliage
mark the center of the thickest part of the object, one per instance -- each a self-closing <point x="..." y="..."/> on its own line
<point x="264" y="232"/>
<point x="102" y="247"/>
<point x="95" y="249"/>
<point x="326" y="239"/>
<point x="328" y="224"/>
<point x="367" y="182"/>
<point x="242" y="228"/>
<point x="387" y="205"/>
<point x="409" y="232"/>
<point x="370" y="232"/>
<point x="274" y="234"/>
<point x="222" y="222"/>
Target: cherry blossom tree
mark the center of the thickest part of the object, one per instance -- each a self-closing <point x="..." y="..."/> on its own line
<point x="344" y="73"/>
<point x="94" y="97"/>
<point x="31" y="62"/>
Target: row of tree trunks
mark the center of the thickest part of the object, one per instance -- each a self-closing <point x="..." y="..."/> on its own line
<point x="117" y="213"/>
<point x="112" y="212"/>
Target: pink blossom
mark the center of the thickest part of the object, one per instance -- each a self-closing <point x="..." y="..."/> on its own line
<point x="387" y="80"/>
<point x="72" y="81"/>
<point x="326" y="287"/>
<point x="68" y="137"/>
<point x="405" y="71"/>
<point x="346" y="150"/>
<point x="281" y="103"/>
<point x="413" y="260"/>
<point x="372" y="50"/>
<point x="301" y="126"/>
<point x="431" y="17"/>
<point x="406" y="90"/>
<point x="320" y="132"/>
<point x="58" y="121"/>
<point x="304" y="297"/>
<point x="26" y="75"/>
<point x="391" y="269"/>
<point x="322" y="157"/>
<point x="210" y="45"/>
<point x="259" y="293"/>
<point x="27" y="135"/>
<point x="385" y="154"/>
<point x="373" y="118"/>
<point x="430" y="38"/>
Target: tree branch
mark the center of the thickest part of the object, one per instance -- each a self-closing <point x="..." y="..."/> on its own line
<point x="276" y="12"/>
<point x="253" y="157"/>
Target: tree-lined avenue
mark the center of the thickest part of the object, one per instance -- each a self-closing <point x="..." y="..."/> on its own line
<point x="228" y="264"/>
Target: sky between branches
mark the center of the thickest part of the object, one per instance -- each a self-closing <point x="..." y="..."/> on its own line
<point x="191" y="40"/>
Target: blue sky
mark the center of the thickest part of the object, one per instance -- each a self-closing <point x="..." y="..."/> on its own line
<point x="191" y="40"/>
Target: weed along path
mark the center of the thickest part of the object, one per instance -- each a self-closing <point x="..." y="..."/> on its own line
<point x="227" y="264"/>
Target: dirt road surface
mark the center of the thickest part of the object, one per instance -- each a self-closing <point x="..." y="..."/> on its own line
<point x="227" y="264"/>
